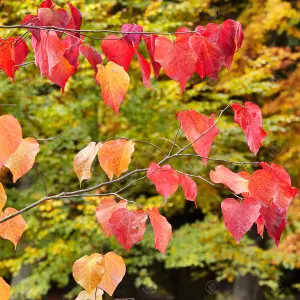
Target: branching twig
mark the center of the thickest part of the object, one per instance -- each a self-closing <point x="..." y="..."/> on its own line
<point x="85" y="192"/>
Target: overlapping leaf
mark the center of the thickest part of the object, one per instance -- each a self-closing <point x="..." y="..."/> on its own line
<point x="16" y="153"/>
<point x="240" y="216"/>
<point x="13" y="52"/>
<point x="232" y="180"/>
<point x="105" y="210"/>
<point x="177" y="59"/>
<point x="97" y="270"/>
<point x="118" y="51"/>
<point x="88" y="271"/>
<point x="115" y="269"/>
<point x="128" y="226"/>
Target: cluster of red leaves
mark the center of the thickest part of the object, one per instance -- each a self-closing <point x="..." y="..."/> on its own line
<point x="204" y="51"/>
<point x="129" y="226"/>
<point x="265" y="195"/>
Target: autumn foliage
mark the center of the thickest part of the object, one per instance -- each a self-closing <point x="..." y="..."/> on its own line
<point x="262" y="197"/>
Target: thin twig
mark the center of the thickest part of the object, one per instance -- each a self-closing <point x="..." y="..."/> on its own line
<point x="42" y="178"/>
<point x="175" y="139"/>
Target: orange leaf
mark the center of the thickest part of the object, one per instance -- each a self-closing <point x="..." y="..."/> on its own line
<point x="114" y="272"/>
<point x="88" y="271"/>
<point x="105" y="210"/>
<point x="96" y="294"/>
<point x="114" y="82"/>
<point x="3" y="197"/>
<point x="83" y="161"/>
<point x="10" y="137"/>
<point x="22" y="160"/>
<point x="4" y="290"/>
<point x="12" y="229"/>
<point x="114" y="156"/>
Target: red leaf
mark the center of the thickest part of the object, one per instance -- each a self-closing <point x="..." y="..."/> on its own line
<point x="239" y="217"/>
<point x="260" y="223"/>
<point x="132" y="39"/>
<point x="284" y="192"/>
<point x="47" y="4"/>
<point x="162" y="229"/>
<point x="249" y="118"/>
<point x="176" y="58"/>
<point x="183" y="33"/>
<point x="275" y="221"/>
<point x="76" y="20"/>
<point x="210" y="57"/>
<point x="118" y="51"/>
<point x="13" y="51"/>
<point x="228" y="37"/>
<point x="146" y="70"/>
<point x="232" y="180"/>
<point x="194" y="125"/>
<point x="93" y="57"/>
<point x="150" y="44"/>
<point x="164" y="178"/>
<point x="49" y="51"/>
<point x="261" y="186"/>
<point x="189" y="187"/>
<point x="105" y="210"/>
<point x="57" y="17"/>
<point x="128" y="226"/>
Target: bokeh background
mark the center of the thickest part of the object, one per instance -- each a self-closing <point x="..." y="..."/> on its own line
<point x="203" y="261"/>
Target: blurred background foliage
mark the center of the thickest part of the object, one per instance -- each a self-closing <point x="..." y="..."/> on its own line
<point x="266" y="71"/>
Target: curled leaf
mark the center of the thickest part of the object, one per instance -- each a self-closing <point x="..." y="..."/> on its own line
<point x="84" y="159"/>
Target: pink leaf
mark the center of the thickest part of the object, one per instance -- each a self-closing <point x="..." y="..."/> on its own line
<point x="275" y="221"/>
<point x="105" y="210"/>
<point x="232" y="180"/>
<point x="128" y="226"/>
<point x="239" y="217"/>
<point x="164" y="178"/>
<point x="189" y="187"/>
<point x="199" y="128"/>
<point x="162" y="229"/>
<point x="249" y="118"/>
<point x="132" y="39"/>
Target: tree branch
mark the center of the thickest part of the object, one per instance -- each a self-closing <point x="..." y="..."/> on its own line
<point x="84" y="192"/>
